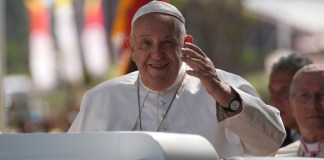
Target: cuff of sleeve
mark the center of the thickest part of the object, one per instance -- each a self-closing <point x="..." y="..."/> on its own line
<point x="224" y="113"/>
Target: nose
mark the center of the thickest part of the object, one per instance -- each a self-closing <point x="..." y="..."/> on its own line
<point x="317" y="101"/>
<point x="157" y="52"/>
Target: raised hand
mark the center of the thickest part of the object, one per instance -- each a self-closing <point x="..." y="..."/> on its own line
<point x="203" y="68"/>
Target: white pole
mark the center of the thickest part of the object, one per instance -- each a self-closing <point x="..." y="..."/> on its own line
<point x="2" y="62"/>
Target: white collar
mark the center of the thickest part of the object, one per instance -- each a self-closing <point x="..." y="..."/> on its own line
<point x="312" y="147"/>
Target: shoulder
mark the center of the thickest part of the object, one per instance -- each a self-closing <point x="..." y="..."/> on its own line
<point x="237" y="81"/>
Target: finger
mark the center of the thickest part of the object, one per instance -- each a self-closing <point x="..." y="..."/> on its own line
<point x="197" y="64"/>
<point x="195" y="48"/>
<point x="189" y="53"/>
<point x="197" y="61"/>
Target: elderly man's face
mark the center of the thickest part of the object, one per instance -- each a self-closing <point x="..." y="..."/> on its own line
<point x="155" y="47"/>
<point x="308" y="104"/>
<point x="279" y="95"/>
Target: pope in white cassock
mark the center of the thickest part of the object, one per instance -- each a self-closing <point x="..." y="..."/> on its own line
<point x="177" y="89"/>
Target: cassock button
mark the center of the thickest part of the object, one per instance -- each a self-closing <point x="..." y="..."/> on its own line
<point x="162" y="103"/>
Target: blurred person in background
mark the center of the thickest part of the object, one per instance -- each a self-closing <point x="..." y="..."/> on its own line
<point x="55" y="123"/>
<point x="281" y="75"/>
<point x="177" y="89"/>
<point x="307" y="105"/>
<point x="31" y="122"/>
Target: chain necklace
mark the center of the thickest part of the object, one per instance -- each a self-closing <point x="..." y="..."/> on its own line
<point x="140" y="108"/>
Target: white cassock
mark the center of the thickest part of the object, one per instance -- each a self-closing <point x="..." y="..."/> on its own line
<point x="113" y="106"/>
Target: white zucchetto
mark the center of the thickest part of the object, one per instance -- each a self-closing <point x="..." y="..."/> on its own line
<point x="158" y="7"/>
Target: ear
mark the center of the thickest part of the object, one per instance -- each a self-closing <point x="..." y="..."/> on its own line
<point x="188" y="38"/>
<point x="130" y="45"/>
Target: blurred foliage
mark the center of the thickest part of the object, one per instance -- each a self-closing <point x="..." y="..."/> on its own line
<point x="249" y="57"/>
<point x="234" y="41"/>
<point x="17" y="61"/>
<point x="17" y="37"/>
<point x="260" y="81"/>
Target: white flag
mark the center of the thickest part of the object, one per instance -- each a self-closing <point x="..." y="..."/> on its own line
<point x="94" y="40"/>
<point x="70" y="62"/>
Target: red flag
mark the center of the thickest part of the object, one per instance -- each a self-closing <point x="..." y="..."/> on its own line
<point x="121" y="29"/>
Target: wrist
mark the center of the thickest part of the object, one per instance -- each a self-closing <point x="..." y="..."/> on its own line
<point x="234" y="104"/>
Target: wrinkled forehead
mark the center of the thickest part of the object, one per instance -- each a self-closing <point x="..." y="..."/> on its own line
<point x="308" y="74"/>
<point x="310" y="80"/>
<point x="309" y="77"/>
<point x="311" y="68"/>
<point x="156" y="25"/>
